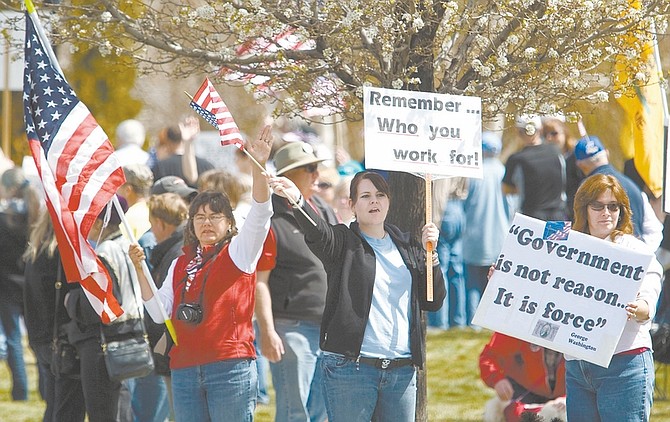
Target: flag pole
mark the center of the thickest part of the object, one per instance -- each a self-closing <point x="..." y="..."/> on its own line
<point x="30" y="7"/>
<point x="429" y="246"/>
<point x="253" y="160"/>
<point x="145" y="270"/>
<point x="666" y="121"/>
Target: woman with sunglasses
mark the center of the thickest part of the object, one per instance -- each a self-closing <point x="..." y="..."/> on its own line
<point x="209" y="294"/>
<point x="371" y="332"/>
<point x="624" y="390"/>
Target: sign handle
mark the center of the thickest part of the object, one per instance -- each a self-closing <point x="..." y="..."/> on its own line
<point x="429" y="246"/>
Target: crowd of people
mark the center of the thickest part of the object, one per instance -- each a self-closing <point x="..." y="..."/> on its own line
<point x="295" y="273"/>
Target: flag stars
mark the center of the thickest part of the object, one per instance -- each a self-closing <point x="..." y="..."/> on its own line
<point x="41" y="124"/>
<point x="61" y="90"/>
<point x="45" y="78"/>
<point x="66" y="101"/>
<point x="41" y="65"/>
<point x="30" y="128"/>
<point x="55" y="116"/>
<point x="38" y="111"/>
<point x="51" y="104"/>
<point x="48" y="91"/>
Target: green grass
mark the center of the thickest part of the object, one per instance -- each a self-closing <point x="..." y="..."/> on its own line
<point x="455" y="393"/>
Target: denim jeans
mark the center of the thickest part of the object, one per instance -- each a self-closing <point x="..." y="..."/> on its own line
<point x="475" y="282"/>
<point x="10" y="313"/>
<point x="357" y="392"/>
<point x="221" y="391"/>
<point x="295" y="378"/>
<point x="263" y="369"/>
<point x="149" y="400"/>
<point x="623" y="392"/>
<point x="450" y="252"/>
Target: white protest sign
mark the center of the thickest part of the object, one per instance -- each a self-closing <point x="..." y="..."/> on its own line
<point x="567" y="295"/>
<point x="422" y="132"/>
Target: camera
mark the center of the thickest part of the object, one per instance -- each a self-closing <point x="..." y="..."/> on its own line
<point x="189" y="312"/>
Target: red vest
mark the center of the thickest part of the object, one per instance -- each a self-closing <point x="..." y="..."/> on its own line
<point x="226" y="330"/>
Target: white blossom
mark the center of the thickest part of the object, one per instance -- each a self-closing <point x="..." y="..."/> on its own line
<point x="105" y="49"/>
<point x="397" y="84"/>
<point x="206" y="12"/>
<point x="387" y="22"/>
<point x="512" y="40"/>
<point x="418" y="23"/>
<point x="530" y="53"/>
<point x="502" y="60"/>
<point x="602" y="96"/>
<point x="106" y="16"/>
<point x="552" y="54"/>
<point x="574" y="73"/>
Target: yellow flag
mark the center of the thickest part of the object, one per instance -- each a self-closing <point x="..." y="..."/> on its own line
<point x="642" y="135"/>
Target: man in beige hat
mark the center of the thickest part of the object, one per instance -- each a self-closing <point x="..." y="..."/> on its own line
<point x="290" y="298"/>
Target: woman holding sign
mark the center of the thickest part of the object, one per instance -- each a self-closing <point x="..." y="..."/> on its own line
<point x="371" y="331"/>
<point x="624" y="390"/>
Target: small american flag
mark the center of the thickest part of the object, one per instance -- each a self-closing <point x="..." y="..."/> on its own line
<point x="208" y="103"/>
<point x="76" y="165"/>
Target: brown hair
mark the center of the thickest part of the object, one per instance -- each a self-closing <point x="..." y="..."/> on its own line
<point x="168" y="207"/>
<point x="221" y="180"/>
<point x="375" y="178"/>
<point x="589" y="191"/>
<point x="219" y="203"/>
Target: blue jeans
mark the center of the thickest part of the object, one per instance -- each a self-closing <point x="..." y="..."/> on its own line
<point x="295" y="378"/>
<point x="475" y="282"/>
<point x="149" y="398"/>
<point x="222" y="391"/>
<point x="623" y="392"/>
<point x="263" y="367"/>
<point x="450" y="252"/>
<point x="360" y="392"/>
<point x="10" y="313"/>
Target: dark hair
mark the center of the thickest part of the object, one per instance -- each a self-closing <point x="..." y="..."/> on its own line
<point x="377" y="180"/>
<point x="589" y="191"/>
<point x="218" y="202"/>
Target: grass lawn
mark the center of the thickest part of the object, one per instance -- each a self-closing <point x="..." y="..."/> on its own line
<point x="455" y="393"/>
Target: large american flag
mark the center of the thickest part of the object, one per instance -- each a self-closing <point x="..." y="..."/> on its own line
<point x="208" y="103"/>
<point x="76" y="165"/>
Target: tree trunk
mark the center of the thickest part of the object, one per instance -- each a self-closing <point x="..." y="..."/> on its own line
<point x="408" y="193"/>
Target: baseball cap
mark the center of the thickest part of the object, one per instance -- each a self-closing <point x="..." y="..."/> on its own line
<point x="587" y="147"/>
<point x="491" y="143"/>
<point x="294" y="155"/>
<point x="174" y="184"/>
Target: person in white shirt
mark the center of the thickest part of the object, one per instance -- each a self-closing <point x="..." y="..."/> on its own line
<point x="602" y="209"/>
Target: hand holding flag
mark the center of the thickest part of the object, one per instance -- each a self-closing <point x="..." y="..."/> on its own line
<point x="208" y="103"/>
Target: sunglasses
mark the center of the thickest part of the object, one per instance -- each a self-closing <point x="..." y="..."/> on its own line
<point x="599" y="206"/>
<point x="325" y="185"/>
<point x="311" y="168"/>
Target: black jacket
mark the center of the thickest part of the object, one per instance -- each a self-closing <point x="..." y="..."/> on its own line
<point x="350" y="264"/>
<point x="298" y="281"/>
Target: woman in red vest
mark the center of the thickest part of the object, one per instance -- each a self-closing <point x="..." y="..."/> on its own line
<point x="209" y="295"/>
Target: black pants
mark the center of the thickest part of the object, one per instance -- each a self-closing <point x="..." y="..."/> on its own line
<point x="101" y="394"/>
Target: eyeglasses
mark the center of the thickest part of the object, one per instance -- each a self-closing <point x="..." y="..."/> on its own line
<point x="324" y="185"/>
<point x="311" y="168"/>
<point x="213" y="218"/>
<point x="599" y="206"/>
<point x="552" y="133"/>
